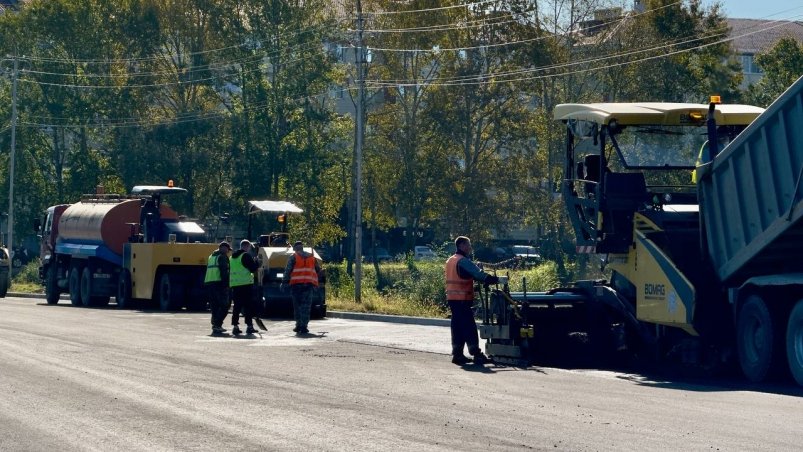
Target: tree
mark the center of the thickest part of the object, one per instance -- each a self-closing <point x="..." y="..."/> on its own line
<point x="782" y="65"/>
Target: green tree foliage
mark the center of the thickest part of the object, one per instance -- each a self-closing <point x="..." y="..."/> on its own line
<point x="782" y="65"/>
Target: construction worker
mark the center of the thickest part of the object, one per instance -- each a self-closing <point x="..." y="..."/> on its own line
<point x="302" y="272"/>
<point x="217" y="283"/>
<point x="241" y="281"/>
<point x="461" y="273"/>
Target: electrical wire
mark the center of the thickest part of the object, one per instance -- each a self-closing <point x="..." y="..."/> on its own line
<point x="664" y="55"/>
<point x="321" y="27"/>
<point x="200" y="68"/>
<point x="444" y="27"/>
<point x="181" y="119"/>
<point x="523" y="41"/>
<point x="668" y="44"/>
<point x="427" y="10"/>
<point x="288" y="63"/>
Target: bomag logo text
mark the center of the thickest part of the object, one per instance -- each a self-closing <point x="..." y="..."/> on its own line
<point x="654" y="290"/>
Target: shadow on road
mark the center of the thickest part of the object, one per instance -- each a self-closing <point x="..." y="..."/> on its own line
<point x="781" y="386"/>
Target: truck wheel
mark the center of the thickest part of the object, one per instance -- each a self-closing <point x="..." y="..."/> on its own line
<point x="5" y="281"/>
<point x="86" y="287"/>
<point x="170" y="293"/>
<point x="86" y="291"/>
<point x="757" y="340"/>
<point x="75" y="286"/>
<point x="794" y="342"/>
<point x="52" y="291"/>
<point x="318" y="312"/>
<point x="123" y="296"/>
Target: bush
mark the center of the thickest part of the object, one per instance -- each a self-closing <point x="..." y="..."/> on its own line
<point x="29" y="274"/>
<point x="416" y="287"/>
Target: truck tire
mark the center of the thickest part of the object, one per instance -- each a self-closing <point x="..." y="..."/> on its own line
<point x="75" y="285"/>
<point x="52" y="291"/>
<point x="86" y="290"/>
<point x="794" y="342"/>
<point x="5" y="281"/>
<point x="757" y="340"/>
<point x="123" y="296"/>
<point x="170" y="294"/>
<point x="318" y="312"/>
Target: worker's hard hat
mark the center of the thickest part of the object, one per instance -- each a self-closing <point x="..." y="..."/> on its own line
<point x="245" y="242"/>
<point x="224" y="243"/>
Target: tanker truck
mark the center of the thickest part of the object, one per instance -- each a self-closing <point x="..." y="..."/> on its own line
<point x="133" y="247"/>
<point x="705" y="271"/>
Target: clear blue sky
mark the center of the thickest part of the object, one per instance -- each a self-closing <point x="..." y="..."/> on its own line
<point x="762" y="9"/>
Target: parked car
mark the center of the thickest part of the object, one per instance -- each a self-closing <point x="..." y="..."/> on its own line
<point x="491" y="255"/>
<point x="424" y="253"/>
<point x="528" y="255"/>
<point x="382" y="255"/>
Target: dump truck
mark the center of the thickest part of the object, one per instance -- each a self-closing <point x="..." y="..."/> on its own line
<point x="274" y="250"/>
<point x="133" y="247"/>
<point x="702" y="273"/>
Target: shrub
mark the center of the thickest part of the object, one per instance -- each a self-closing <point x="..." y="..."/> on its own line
<point x="29" y="274"/>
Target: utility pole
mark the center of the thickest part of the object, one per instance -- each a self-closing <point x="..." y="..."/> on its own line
<point x="13" y="152"/>
<point x="360" y="61"/>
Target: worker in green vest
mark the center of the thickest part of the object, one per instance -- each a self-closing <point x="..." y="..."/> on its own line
<point x="217" y="285"/>
<point x="243" y="267"/>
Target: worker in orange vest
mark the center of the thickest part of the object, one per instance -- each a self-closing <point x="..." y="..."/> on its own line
<point x="461" y="273"/>
<point x="302" y="271"/>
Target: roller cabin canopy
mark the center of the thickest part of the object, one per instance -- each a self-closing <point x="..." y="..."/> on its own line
<point x="156" y="190"/>
<point x="656" y="113"/>
<point x="272" y="206"/>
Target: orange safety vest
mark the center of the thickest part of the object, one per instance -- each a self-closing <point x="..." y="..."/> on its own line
<point x="304" y="271"/>
<point x="457" y="288"/>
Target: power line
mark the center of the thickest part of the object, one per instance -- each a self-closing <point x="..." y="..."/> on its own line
<point x="449" y="26"/>
<point x="674" y="43"/>
<point x="181" y="119"/>
<point x="383" y="84"/>
<point x="289" y="63"/>
<point x="523" y="41"/>
<point x="426" y="10"/>
<point x="199" y="68"/>
<point x="113" y="61"/>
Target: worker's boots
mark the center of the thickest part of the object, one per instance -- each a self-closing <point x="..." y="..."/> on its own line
<point x="250" y="330"/>
<point x="460" y="359"/>
<point x="236" y="330"/>
<point x="480" y="358"/>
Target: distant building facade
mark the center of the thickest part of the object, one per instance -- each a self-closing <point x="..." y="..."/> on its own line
<point x="754" y="36"/>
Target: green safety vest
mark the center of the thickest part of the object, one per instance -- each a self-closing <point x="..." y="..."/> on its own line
<point x="212" y="269"/>
<point x="239" y="276"/>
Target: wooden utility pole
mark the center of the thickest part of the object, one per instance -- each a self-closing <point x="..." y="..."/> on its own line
<point x="12" y="158"/>
<point x="360" y="61"/>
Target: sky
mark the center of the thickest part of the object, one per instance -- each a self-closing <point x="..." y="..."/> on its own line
<point x="763" y="9"/>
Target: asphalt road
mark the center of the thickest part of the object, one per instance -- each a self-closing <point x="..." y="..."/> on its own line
<point x="103" y="379"/>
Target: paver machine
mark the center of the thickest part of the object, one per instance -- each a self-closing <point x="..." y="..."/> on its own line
<point x="627" y="187"/>
<point x="275" y="248"/>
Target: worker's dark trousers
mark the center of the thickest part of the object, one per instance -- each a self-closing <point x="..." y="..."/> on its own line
<point x="218" y="303"/>
<point x="464" y="328"/>
<point x="241" y="295"/>
<point x="302" y="304"/>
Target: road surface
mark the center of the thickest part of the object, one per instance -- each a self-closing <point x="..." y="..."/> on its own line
<point x="104" y="379"/>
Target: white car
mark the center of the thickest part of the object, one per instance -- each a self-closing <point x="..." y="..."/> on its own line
<point x="424" y="253"/>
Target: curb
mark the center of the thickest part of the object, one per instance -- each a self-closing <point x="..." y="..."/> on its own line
<point x="427" y="321"/>
<point x="388" y="318"/>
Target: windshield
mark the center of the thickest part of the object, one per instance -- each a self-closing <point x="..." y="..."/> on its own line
<point x="647" y="146"/>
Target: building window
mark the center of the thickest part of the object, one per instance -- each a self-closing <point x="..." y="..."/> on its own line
<point x="749" y="66"/>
